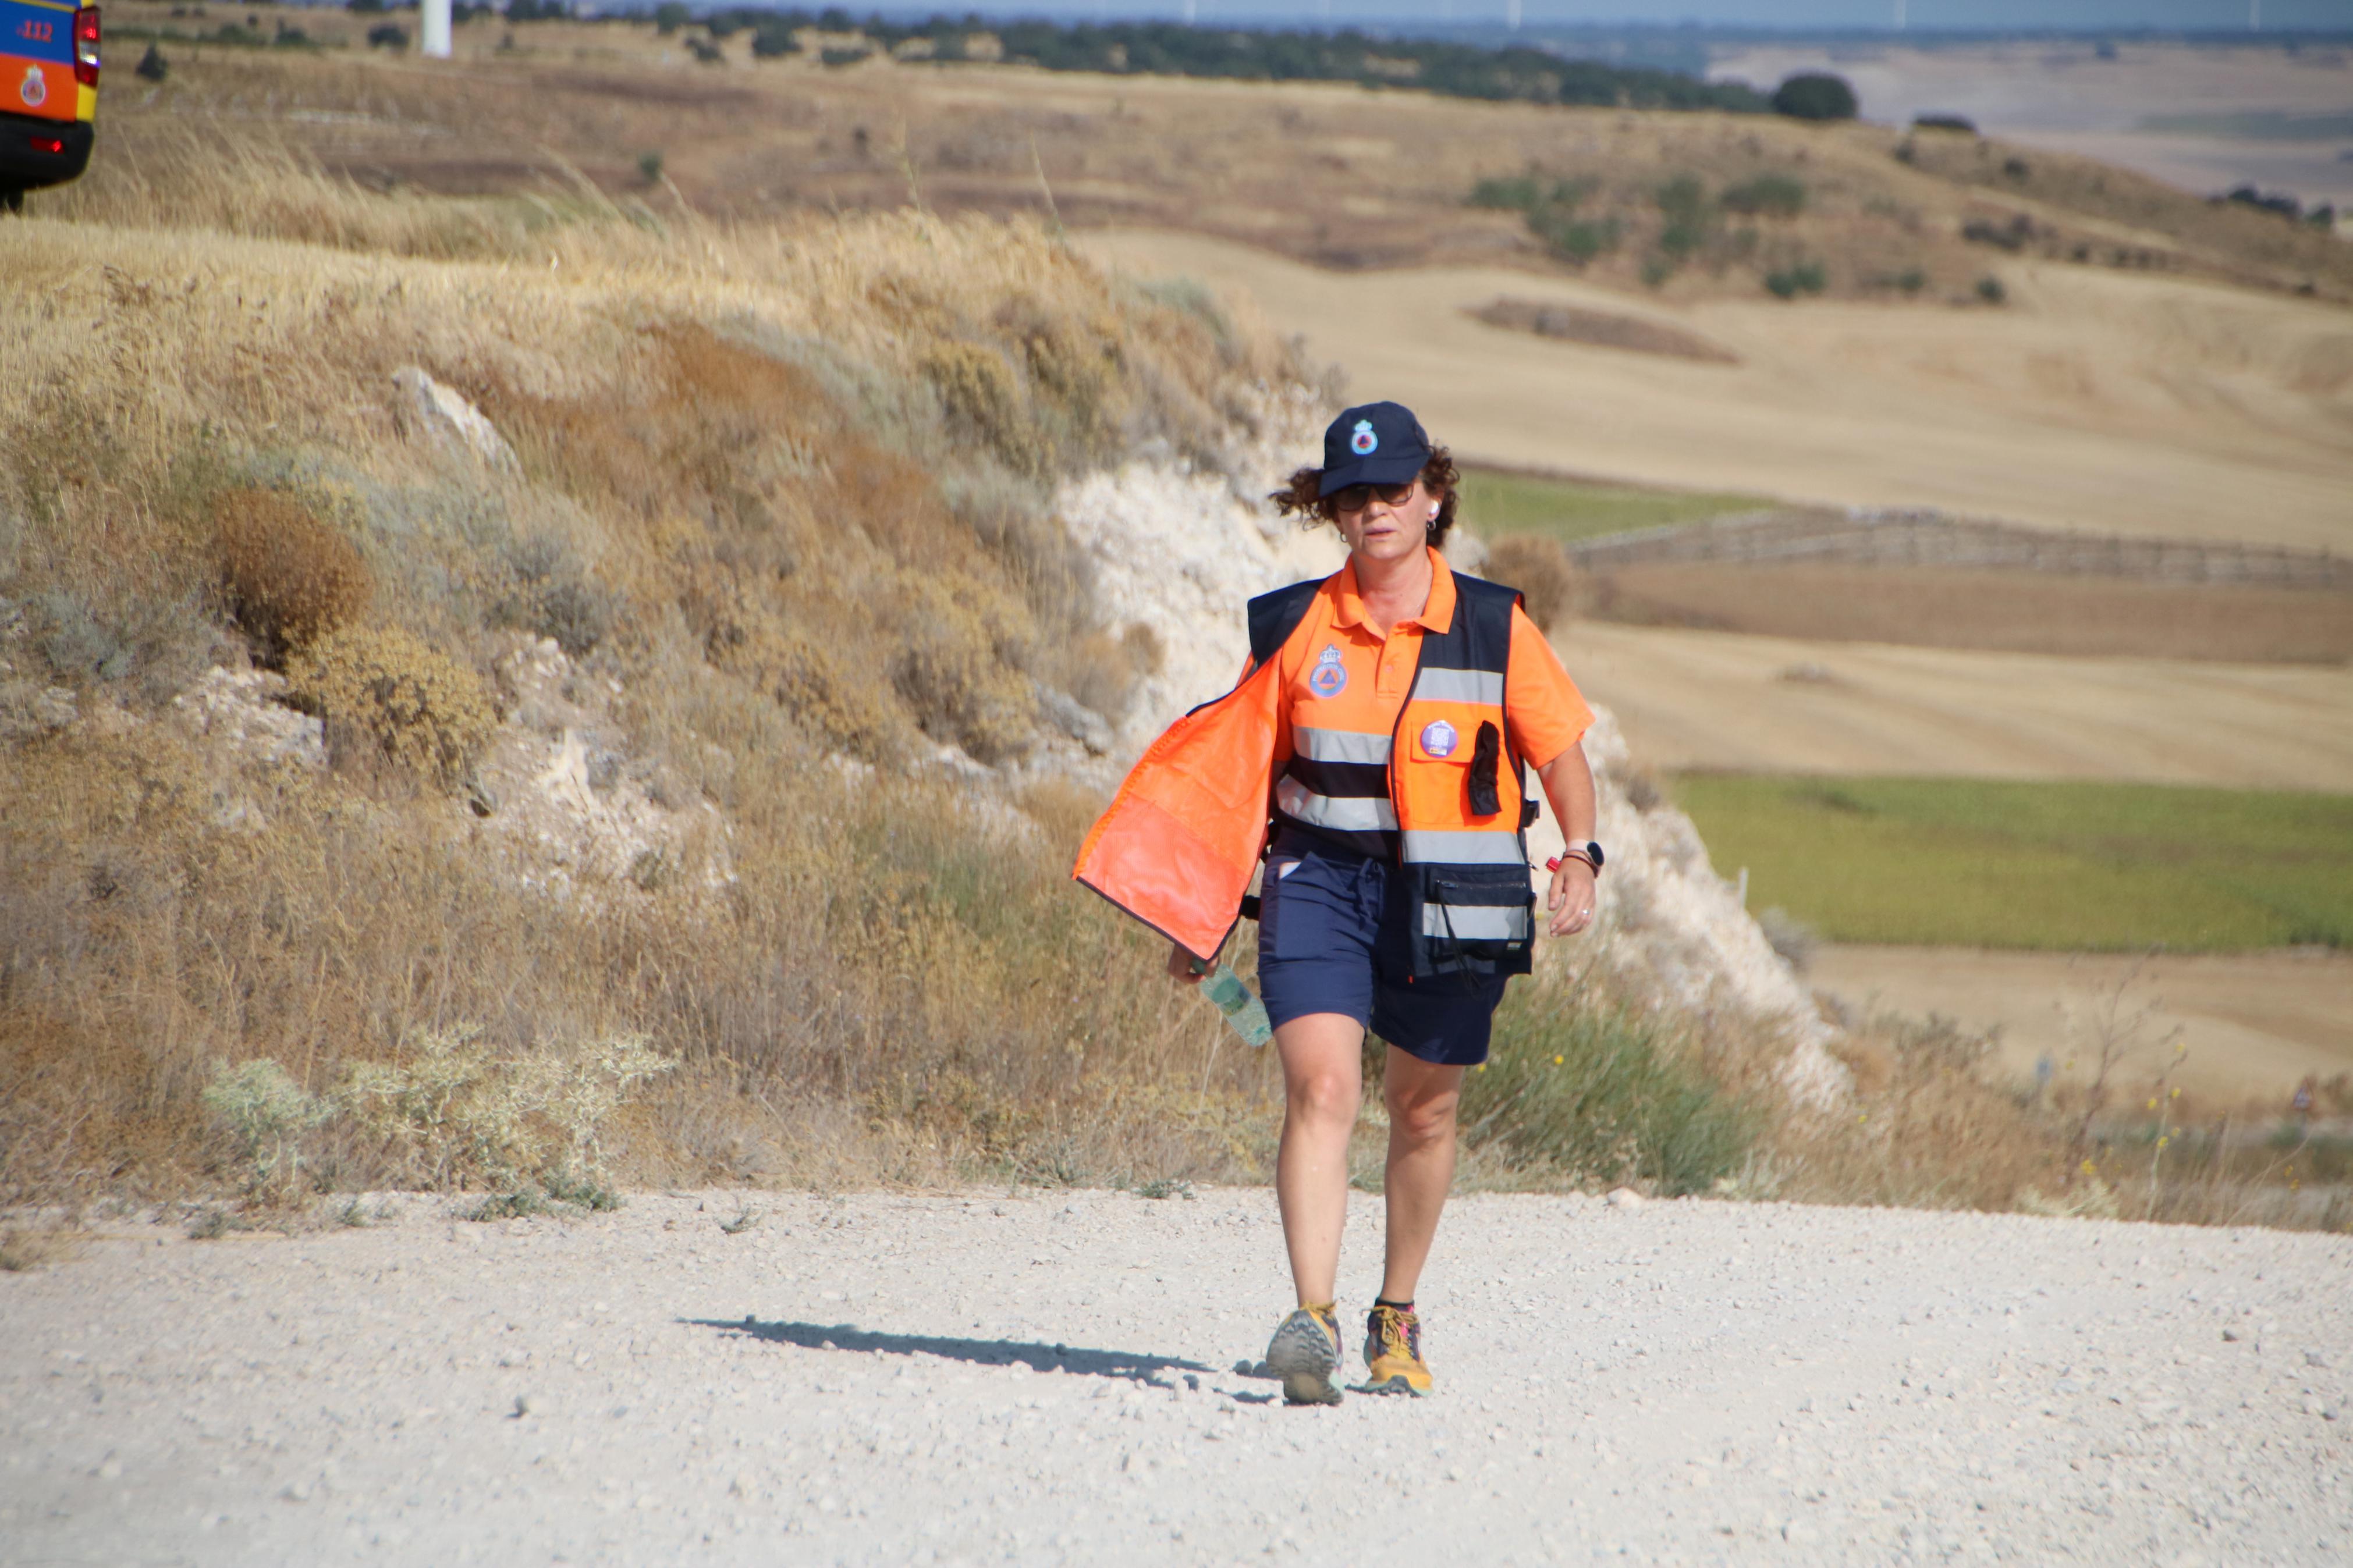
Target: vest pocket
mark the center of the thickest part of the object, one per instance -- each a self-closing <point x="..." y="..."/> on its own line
<point x="1472" y="919"/>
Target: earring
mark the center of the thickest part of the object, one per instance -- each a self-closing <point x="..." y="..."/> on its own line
<point x="1433" y="514"/>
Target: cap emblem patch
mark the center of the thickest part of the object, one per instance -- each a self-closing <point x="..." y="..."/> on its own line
<point x="1330" y="676"/>
<point x="1363" y="443"/>
<point x="1438" y="738"/>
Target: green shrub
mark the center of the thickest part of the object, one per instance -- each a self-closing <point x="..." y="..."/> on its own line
<point x="1574" y="238"/>
<point x="1815" y="95"/>
<point x="265" y="1113"/>
<point x="1593" y="1093"/>
<point x="1683" y="204"/>
<point x="1803" y="278"/>
<point x="1507" y="193"/>
<point x="1766" y="196"/>
<point x="1991" y="289"/>
<point x="649" y="166"/>
<point x="463" y="1112"/>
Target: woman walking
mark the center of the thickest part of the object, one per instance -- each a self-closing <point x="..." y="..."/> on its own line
<point x="1373" y="753"/>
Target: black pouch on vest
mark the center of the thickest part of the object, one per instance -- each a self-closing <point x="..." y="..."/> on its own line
<point x="1476" y="921"/>
<point x="1486" y="760"/>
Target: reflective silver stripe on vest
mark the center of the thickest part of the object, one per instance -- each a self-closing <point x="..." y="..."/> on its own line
<point x="1340" y="745"/>
<point x="1496" y="848"/>
<point x="1342" y="814"/>
<point x="1475" y="922"/>
<point x="1460" y="685"/>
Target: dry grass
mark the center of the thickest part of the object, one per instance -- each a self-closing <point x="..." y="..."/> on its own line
<point x="738" y="442"/>
<point x="801" y="479"/>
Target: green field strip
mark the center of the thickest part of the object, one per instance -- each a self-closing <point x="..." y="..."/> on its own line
<point x="1497" y="504"/>
<point x="2079" y="867"/>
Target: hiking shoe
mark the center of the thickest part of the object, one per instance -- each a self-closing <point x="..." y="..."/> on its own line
<point x="1393" y="1351"/>
<point x="1304" y="1353"/>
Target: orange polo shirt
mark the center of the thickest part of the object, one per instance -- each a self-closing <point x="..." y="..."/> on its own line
<point x="1543" y="713"/>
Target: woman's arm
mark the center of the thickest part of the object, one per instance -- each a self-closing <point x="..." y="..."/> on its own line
<point x="1567" y="783"/>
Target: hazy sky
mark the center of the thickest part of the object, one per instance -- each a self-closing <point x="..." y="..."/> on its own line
<point x="1944" y="15"/>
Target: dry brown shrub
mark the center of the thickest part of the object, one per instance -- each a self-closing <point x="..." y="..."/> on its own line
<point x="960" y="668"/>
<point x="290" y="579"/>
<point x="1539" y="569"/>
<point x="382" y="689"/>
<point x="1102" y="670"/>
<point x="979" y="391"/>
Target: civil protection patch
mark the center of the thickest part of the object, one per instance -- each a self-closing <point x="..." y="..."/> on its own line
<point x="1330" y="676"/>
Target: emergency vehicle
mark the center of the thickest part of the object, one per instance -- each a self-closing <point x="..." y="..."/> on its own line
<point x="48" y="94"/>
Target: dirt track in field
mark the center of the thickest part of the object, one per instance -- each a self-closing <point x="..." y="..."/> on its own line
<point x="1721" y="701"/>
<point x="1048" y="1378"/>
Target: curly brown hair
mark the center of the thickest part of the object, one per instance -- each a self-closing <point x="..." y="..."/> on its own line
<point x="1298" y="496"/>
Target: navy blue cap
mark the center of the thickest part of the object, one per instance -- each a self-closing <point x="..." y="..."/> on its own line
<point x="1373" y="444"/>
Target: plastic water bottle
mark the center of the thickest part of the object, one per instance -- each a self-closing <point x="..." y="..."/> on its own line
<point x="1243" y="1010"/>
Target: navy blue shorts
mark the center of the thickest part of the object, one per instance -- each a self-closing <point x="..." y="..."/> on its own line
<point x="1332" y="938"/>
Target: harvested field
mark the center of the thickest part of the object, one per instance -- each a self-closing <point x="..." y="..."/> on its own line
<point x="2145" y="406"/>
<point x="2013" y="612"/>
<point x="1726" y="702"/>
<point x="2256" y="1024"/>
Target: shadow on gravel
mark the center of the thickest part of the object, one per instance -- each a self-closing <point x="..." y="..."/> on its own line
<point x="981" y="1353"/>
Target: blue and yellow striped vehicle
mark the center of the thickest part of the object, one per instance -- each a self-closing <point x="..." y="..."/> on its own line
<point x="48" y="94"/>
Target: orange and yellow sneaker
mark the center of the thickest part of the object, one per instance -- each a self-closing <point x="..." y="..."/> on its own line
<point x="1304" y="1353"/>
<point x="1393" y="1351"/>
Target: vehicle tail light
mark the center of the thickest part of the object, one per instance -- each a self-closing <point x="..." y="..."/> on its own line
<point x="49" y="145"/>
<point x="85" y="46"/>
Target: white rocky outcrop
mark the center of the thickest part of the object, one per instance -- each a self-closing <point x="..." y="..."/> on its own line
<point x="575" y="808"/>
<point x="440" y="416"/>
<point x="242" y="713"/>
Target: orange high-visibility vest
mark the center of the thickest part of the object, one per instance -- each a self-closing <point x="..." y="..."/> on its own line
<point x="1178" y="845"/>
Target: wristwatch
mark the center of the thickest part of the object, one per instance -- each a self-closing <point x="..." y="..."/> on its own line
<point x="1585" y="849"/>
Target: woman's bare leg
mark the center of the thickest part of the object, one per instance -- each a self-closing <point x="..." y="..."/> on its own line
<point x="1421" y="1102"/>
<point x="1323" y="1083"/>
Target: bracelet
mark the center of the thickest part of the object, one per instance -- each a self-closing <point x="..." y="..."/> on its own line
<point x="1584" y="860"/>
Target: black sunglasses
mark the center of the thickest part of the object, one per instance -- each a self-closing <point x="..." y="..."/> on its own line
<point x="1357" y="498"/>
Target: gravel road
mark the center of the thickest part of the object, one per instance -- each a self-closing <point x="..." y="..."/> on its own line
<point x="1051" y="1378"/>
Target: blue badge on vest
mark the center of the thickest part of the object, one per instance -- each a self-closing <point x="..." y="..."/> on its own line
<point x="1363" y="443"/>
<point x="1329" y="678"/>
<point x="1438" y="739"/>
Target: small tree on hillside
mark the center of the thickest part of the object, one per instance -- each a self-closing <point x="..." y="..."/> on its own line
<point x="1815" y="95"/>
<point x="670" y="16"/>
